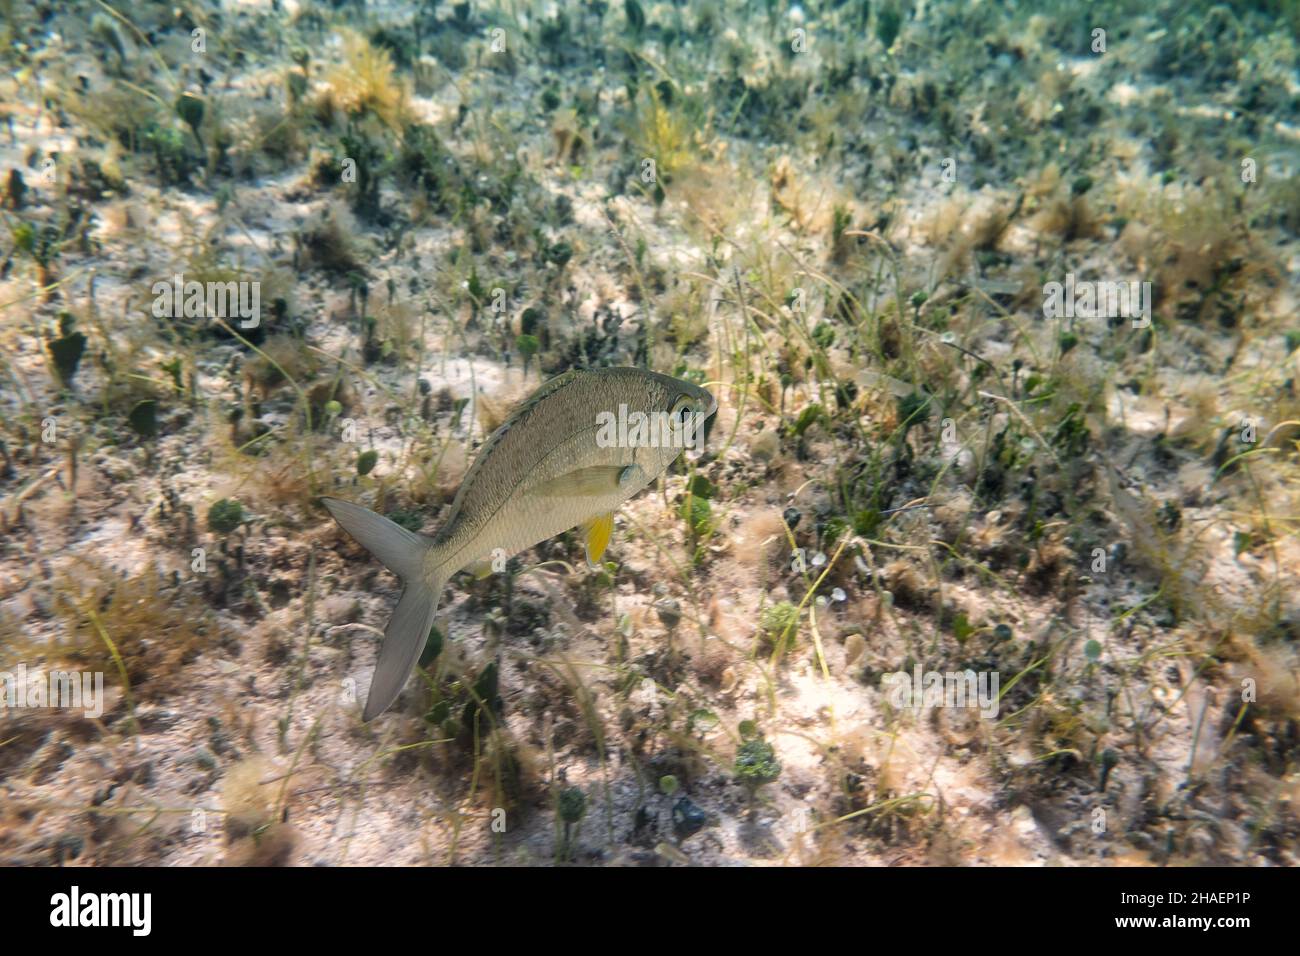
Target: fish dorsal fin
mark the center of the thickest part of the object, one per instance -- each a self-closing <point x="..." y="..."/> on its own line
<point x="548" y="387"/>
<point x="599" y="530"/>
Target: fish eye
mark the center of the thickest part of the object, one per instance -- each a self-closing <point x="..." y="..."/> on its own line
<point x="683" y="409"/>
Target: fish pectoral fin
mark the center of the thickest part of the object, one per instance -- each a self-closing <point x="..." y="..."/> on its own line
<point x="583" y="483"/>
<point x="599" y="530"/>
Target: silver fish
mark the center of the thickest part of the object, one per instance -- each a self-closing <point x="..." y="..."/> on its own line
<point x="570" y="455"/>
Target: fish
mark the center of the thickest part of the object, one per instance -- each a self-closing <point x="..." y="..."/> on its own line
<point x="570" y="455"/>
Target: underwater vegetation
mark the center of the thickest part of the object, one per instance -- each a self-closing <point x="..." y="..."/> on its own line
<point x="997" y="517"/>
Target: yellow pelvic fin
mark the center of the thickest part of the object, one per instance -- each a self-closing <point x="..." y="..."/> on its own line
<point x="480" y="569"/>
<point x="599" y="530"/>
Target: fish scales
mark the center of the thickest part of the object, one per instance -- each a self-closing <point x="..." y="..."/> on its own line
<point x="552" y="435"/>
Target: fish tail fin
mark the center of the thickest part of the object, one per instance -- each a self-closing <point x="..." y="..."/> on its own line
<point x="404" y="639"/>
<point x="401" y="551"/>
<point x="405" y="553"/>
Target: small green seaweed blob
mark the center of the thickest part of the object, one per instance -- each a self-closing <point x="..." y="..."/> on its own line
<point x="225" y="516"/>
<point x="432" y="648"/>
<point x="698" y="515"/>
<point x="144" y="418"/>
<point x="410" y="520"/>
<point x="67" y="350"/>
<point x="778" y="621"/>
<point x="756" y="764"/>
<point x="635" y="17"/>
<point x="528" y="346"/>
<point x="190" y="109"/>
<point x="888" y="23"/>
<point x="573" y="805"/>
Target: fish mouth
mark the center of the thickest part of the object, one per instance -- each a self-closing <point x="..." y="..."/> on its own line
<point x="708" y="429"/>
<point x="709" y="416"/>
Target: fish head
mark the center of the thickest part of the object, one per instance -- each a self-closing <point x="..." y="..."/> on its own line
<point x="695" y="407"/>
<point x="688" y="405"/>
